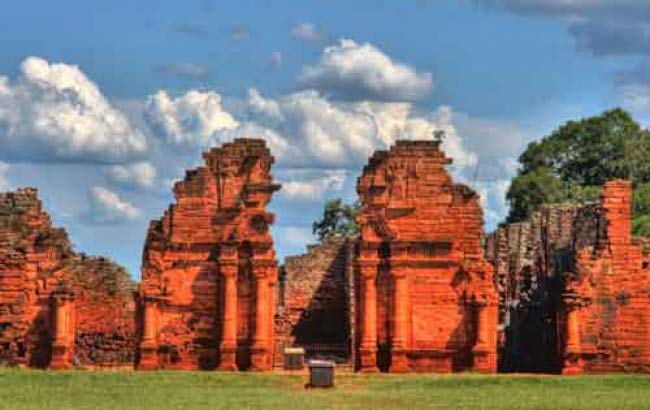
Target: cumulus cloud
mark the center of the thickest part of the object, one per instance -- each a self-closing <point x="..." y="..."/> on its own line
<point x="184" y="70"/>
<point x="603" y="27"/>
<point x="363" y="72"/>
<point x="193" y="118"/>
<point x="108" y="207"/>
<point x="310" y="184"/>
<point x="139" y="174"/>
<point x="53" y="112"/>
<point x="306" y="32"/>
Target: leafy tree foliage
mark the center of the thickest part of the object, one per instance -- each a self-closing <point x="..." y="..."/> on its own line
<point x="338" y="220"/>
<point x="574" y="161"/>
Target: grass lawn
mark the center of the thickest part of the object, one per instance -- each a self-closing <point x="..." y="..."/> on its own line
<point x="39" y="390"/>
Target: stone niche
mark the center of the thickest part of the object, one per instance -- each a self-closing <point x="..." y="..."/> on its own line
<point x="574" y="289"/>
<point x="425" y="296"/>
<point x="207" y="297"/>
<point x="58" y="308"/>
<point x="315" y="308"/>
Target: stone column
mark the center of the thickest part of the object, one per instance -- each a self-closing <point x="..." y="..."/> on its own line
<point x="399" y="362"/>
<point x="481" y="350"/>
<point x="368" y="348"/>
<point x="573" y="349"/>
<point x="64" y="332"/>
<point x="260" y="352"/>
<point x="149" y="343"/>
<point x="228" y="269"/>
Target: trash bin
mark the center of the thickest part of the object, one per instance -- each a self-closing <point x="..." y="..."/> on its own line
<point x="321" y="373"/>
<point x="294" y="358"/>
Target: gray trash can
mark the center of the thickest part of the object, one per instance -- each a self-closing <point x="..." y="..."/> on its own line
<point x="321" y="373"/>
<point x="294" y="358"/>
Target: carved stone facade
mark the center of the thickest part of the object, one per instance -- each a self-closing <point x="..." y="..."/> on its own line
<point x="58" y="308"/>
<point x="207" y="296"/>
<point x="573" y="289"/>
<point x="426" y="299"/>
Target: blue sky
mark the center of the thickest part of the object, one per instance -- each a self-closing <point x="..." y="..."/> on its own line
<point x="103" y="104"/>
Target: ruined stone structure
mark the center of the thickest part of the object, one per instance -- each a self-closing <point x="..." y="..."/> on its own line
<point x="426" y="299"/>
<point x="58" y="308"/>
<point x="207" y="296"/>
<point x="573" y="289"/>
<point x="315" y="306"/>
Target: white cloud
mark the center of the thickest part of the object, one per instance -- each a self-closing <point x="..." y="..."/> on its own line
<point x="304" y="185"/>
<point x="193" y="118"/>
<point x="636" y="98"/>
<point x="53" y="112"/>
<point x="306" y="32"/>
<point x="361" y="71"/>
<point x="3" y="176"/>
<point x="139" y="174"/>
<point x="107" y="207"/>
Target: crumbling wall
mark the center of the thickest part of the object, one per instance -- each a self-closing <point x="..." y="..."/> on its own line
<point x="426" y="296"/>
<point x="573" y="289"/>
<point x="314" y="309"/>
<point x="36" y="262"/>
<point x="209" y="271"/>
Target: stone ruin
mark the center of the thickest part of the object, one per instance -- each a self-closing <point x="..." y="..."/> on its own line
<point x="565" y="291"/>
<point x="426" y="300"/>
<point x="209" y="273"/>
<point x="58" y="308"/>
<point x="573" y="289"/>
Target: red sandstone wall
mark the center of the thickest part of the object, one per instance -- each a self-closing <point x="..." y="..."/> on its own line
<point x="37" y="261"/>
<point x="573" y="289"/>
<point x="217" y="229"/>
<point x="424" y="283"/>
<point x="315" y="303"/>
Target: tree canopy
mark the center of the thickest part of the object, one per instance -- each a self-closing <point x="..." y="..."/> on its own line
<point x="338" y="220"/>
<point x="574" y="161"/>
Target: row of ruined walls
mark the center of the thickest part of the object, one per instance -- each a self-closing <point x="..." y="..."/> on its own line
<point x="573" y="289"/>
<point x="568" y="291"/>
<point x="42" y="277"/>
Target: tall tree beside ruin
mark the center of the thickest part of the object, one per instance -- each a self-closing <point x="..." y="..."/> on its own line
<point x="574" y="161"/>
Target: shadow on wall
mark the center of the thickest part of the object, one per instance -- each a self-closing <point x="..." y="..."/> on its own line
<point x="323" y="327"/>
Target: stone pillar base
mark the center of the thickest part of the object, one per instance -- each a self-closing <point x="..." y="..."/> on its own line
<point x="228" y="359"/>
<point x="483" y="361"/>
<point x="148" y="357"/>
<point x="260" y="360"/>
<point x="398" y="361"/>
<point x="61" y="357"/>
<point x="368" y="360"/>
<point x="572" y="365"/>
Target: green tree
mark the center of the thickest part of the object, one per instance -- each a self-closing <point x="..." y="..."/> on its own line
<point x="338" y="220"/>
<point x="574" y="161"/>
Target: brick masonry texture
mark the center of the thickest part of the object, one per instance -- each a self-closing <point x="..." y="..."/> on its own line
<point x="315" y="302"/>
<point x="573" y="289"/>
<point x="207" y="297"/>
<point x="426" y="299"/>
<point x="39" y="271"/>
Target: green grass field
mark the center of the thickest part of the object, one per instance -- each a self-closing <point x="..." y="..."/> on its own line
<point x="39" y="390"/>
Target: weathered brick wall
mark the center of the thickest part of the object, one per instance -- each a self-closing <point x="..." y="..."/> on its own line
<point x="215" y="235"/>
<point x="314" y="309"/>
<point x="568" y="259"/>
<point x="426" y="296"/>
<point x="37" y="260"/>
